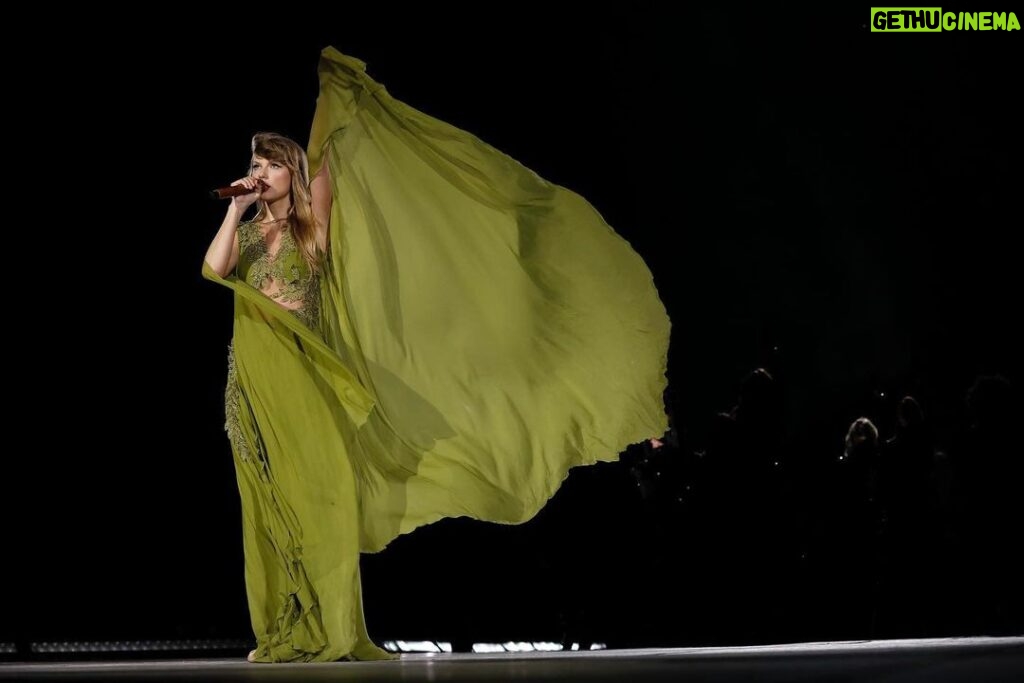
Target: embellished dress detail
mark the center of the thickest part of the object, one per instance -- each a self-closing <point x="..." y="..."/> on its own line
<point x="283" y="276"/>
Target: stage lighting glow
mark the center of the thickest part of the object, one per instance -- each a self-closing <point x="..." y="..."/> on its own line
<point x="417" y="646"/>
<point x="487" y="647"/>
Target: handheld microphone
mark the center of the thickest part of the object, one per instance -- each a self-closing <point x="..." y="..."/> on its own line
<point x="236" y="190"/>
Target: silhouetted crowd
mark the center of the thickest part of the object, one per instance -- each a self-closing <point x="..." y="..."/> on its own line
<point x="900" y="528"/>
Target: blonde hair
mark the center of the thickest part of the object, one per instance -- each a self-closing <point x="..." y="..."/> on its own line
<point x="862" y="435"/>
<point x="301" y="221"/>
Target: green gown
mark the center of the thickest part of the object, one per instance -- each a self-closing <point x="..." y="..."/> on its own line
<point x="474" y="333"/>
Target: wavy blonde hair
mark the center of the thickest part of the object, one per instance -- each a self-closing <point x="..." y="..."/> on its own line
<point x="301" y="222"/>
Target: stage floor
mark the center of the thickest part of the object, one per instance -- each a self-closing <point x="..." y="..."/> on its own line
<point x="971" y="660"/>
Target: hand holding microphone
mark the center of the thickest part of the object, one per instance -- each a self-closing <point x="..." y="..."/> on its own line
<point x="240" y="187"/>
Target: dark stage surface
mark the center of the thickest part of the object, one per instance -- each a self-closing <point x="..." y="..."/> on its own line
<point x="934" y="660"/>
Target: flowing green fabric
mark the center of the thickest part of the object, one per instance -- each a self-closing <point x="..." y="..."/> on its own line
<point x="480" y="332"/>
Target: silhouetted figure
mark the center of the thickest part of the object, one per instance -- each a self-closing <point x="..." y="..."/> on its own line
<point x="843" y="548"/>
<point x="988" y="463"/>
<point x="744" y="504"/>
<point x="906" y="469"/>
<point x="910" y="571"/>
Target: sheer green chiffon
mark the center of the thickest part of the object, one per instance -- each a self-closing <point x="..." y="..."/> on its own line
<point x="481" y="332"/>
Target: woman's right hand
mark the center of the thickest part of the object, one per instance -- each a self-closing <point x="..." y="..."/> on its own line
<point x="244" y="201"/>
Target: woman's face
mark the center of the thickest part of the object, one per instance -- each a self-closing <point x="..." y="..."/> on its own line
<point x="275" y="174"/>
